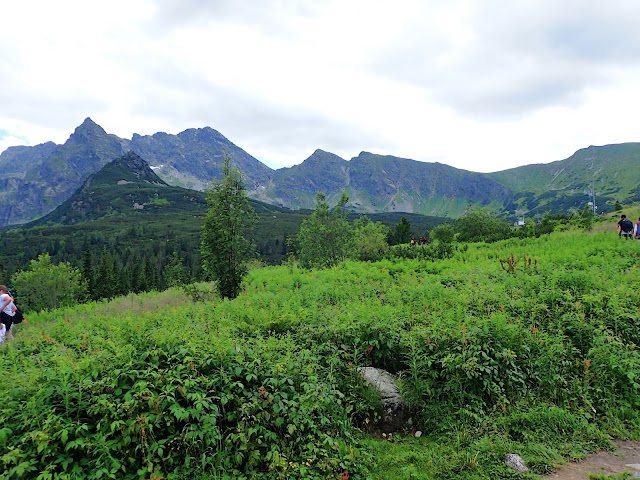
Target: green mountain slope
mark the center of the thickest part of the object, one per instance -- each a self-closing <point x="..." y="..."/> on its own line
<point x="383" y="183"/>
<point x="613" y="171"/>
<point x="123" y="187"/>
<point x="47" y="185"/>
<point x="52" y="173"/>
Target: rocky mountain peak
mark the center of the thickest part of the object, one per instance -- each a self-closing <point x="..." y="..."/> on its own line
<point x="88" y="129"/>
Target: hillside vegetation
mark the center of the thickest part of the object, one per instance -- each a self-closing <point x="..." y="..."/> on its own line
<point x="523" y="345"/>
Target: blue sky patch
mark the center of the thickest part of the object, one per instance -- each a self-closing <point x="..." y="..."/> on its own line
<point x="6" y="133"/>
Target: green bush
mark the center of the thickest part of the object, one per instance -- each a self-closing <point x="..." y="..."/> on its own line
<point x="46" y="286"/>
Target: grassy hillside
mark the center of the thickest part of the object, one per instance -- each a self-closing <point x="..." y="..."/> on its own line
<point x="612" y="170"/>
<point x="525" y="346"/>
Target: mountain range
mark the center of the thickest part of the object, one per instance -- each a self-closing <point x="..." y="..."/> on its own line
<point x="35" y="180"/>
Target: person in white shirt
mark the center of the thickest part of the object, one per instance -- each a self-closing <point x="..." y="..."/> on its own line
<point x="6" y="311"/>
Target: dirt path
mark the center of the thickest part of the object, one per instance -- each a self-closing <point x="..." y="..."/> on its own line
<point x="626" y="457"/>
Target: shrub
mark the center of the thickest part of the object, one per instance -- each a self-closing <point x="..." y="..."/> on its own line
<point x="47" y="286"/>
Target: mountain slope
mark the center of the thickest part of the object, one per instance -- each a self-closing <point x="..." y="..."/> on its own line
<point x="47" y="185"/>
<point x="127" y="206"/>
<point x="194" y="158"/>
<point x="383" y="183"/>
<point x="123" y="187"/>
<point x="296" y="187"/>
<point x="613" y="171"/>
<point x="16" y="161"/>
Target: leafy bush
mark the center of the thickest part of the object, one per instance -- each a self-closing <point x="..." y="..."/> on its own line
<point x="172" y="411"/>
<point x="325" y="238"/>
<point x="370" y="239"/>
<point x="480" y="225"/>
<point x="47" y="286"/>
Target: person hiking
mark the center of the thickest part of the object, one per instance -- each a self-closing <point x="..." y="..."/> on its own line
<point x="636" y="230"/>
<point x="6" y="311"/>
<point x="625" y="227"/>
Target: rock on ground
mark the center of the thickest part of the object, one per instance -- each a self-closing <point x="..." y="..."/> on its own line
<point x="395" y="411"/>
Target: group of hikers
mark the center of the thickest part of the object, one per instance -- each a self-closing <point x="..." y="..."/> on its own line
<point x="10" y="314"/>
<point x="627" y="229"/>
<point x="422" y="241"/>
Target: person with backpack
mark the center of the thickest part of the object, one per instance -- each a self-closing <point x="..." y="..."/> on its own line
<point x="625" y="227"/>
<point x="6" y="311"/>
<point x="636" y="230"/>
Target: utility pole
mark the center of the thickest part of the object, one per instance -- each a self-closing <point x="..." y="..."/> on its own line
<point x="592" y="198"/>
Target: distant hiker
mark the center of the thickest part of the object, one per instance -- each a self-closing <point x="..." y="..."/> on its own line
<point x="636" y="230"/>
<point x="413" y="242"/>
<point x="625" y="227"/>
<point x="6" y="310"/>
<point x="423" y="240"/>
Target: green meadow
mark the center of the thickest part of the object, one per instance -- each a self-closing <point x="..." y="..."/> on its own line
<point x="524" y="346"/>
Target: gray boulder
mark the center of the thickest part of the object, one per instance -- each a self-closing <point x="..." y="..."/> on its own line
<point x="516" y="463"/>
<point x="395" y="411"/>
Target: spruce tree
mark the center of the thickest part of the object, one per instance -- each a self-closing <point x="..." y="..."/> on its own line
<point x="402" y="233"/>
<point x="150" y="274"/>
<point x="105" y="277"/>
<point x="225" y="247"/>
<point x="174" y="272"/>
<point x="87" y="272"/>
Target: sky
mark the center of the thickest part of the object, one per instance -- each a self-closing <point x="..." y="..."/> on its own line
<point x="481" y="85"/>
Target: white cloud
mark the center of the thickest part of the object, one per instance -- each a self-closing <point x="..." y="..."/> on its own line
<point x="481" y="85"/>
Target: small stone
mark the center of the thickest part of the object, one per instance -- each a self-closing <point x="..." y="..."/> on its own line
<point x="516" y="463"/>
<point x="633" y="466"/>
<point x="418" y="434"/>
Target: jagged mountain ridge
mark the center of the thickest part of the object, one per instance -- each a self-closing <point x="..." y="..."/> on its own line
<point x="42" y="177"/>
<point x="46" y="185"/>
<point x="383" y="183"/>
<point x="193" y="157"/>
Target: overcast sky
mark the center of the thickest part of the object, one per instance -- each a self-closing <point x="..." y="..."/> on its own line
<point x="482" y="85"/>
